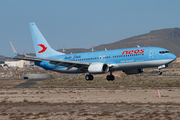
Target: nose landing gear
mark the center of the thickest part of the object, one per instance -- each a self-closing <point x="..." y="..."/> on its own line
<point x="161" y="67"/>
<point x="159" y="73"/>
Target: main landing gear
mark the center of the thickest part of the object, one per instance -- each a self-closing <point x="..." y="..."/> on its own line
<point x="89" y="77"/>
<point x="161" y="67"/>
<point x="108" y="77"/>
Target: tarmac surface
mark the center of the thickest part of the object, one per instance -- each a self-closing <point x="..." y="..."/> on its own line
<point x="28" y="83"/>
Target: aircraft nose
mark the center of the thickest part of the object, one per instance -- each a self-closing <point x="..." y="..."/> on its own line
<point x="171" y="56"/>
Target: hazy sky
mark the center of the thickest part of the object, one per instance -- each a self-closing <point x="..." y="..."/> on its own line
<point x="81" y="23"/>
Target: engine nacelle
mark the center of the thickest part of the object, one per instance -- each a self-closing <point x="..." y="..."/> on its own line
<point x="97" y="68"/>
<point x="133" y="71"/>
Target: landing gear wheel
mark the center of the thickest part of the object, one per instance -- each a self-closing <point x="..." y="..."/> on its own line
<point x="89" y="77"/>
<point x="159" y="73"/>
<point x="110" y="77"/>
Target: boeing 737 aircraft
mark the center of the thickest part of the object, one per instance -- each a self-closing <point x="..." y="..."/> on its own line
<point x="129" y="60"/>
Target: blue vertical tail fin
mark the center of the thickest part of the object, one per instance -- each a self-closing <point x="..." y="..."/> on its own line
<point x="41" y="46"/>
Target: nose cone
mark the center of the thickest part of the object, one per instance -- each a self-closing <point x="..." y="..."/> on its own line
<point x="171" y="56"/>
<point x="174" y="57"/>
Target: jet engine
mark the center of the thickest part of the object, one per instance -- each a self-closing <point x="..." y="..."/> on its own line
<point x="97" y="68"/>
<point x="133" y="71"/>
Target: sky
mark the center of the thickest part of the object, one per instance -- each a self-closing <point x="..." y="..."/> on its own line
<point x="81" y="23"/>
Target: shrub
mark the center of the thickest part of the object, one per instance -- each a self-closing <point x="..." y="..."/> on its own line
<point x="25" y="100"/>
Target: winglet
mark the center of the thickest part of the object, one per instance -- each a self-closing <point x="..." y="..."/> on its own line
<point x="14" y="49"/>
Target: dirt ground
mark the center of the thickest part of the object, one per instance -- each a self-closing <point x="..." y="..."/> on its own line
<point x="89" y="104"/>
<point x="102" y="95"/>
<point x="81" y="111"/>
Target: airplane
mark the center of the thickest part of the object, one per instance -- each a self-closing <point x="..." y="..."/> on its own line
<point x="128" y="60"/>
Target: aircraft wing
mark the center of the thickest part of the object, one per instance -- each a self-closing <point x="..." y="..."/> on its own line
<point x="23" y="57"/>
<point x="60" y="62"/>
<point x="19" y="56"/>
<point x="56" y="62"/>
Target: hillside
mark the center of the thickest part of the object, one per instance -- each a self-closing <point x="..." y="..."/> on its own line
<point x="166" y="38"/>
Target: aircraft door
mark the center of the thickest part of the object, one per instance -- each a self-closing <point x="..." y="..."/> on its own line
<point x="102" y="59"/>
<point x="151" y="54"/>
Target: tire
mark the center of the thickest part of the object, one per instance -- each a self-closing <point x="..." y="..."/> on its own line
<point x="108" y="77"/>
<point x="159" y="73"/>
<point x="91" y="77"/>
<point x="87" y="77"/>
<point x="112" y="77"/>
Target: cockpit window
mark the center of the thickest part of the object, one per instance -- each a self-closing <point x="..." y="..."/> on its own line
<point x="162" y="52"/>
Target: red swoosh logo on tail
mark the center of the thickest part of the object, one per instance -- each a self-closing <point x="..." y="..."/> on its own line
<point x="43" y="48"/>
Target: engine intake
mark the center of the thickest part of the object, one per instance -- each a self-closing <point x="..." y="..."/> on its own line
<point x="98" y="68"/>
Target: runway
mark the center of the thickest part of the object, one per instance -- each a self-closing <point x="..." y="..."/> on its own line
<point x="29" y="82"/>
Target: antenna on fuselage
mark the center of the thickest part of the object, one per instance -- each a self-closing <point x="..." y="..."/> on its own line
<point x="138" y="46"/>
<point x="105" y="49"/>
